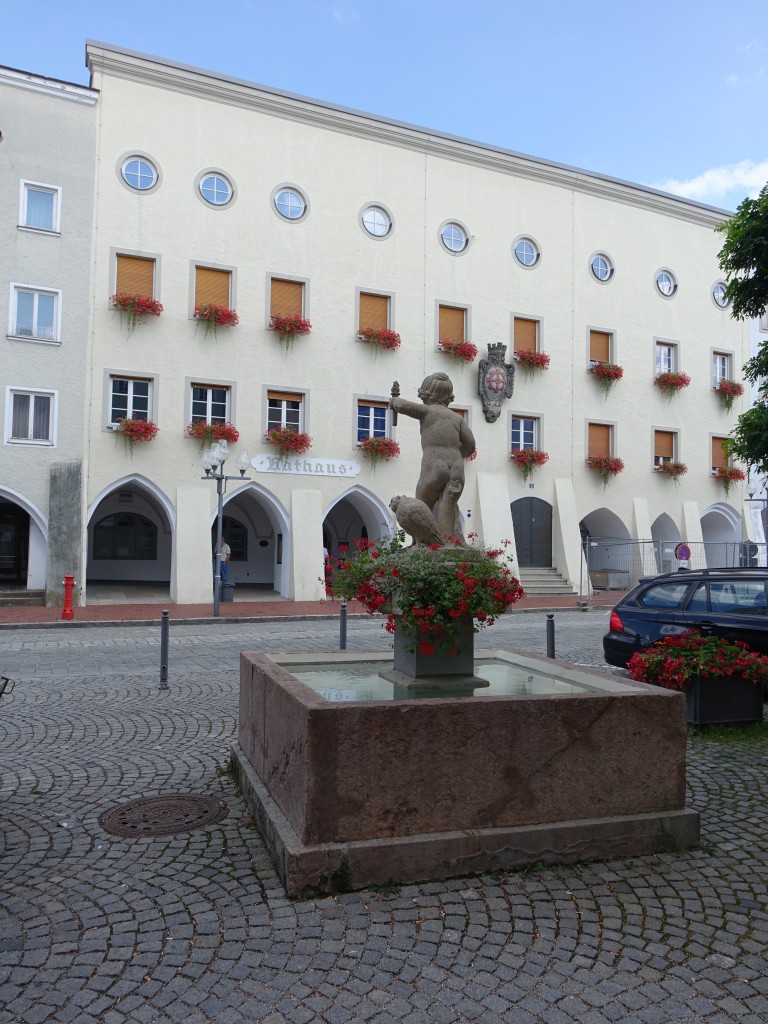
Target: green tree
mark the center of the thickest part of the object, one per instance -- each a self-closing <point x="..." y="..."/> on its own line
<point x="744" y="257"/>
<point x="744" y="260"/>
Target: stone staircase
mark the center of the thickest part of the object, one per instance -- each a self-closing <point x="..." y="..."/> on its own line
<point x="13" y="597"/>
<point x="543" y="582"/>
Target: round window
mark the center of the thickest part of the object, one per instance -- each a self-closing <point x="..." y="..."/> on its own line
<point x="139" y="173"/>
<point x="601" y="267"/>
<point x="719" y="295"/>
<point x="666" y="283"/>
<point x="454" y="238"/>
<point x="377" y="222"/>
<point x="290" y="204"/>
<point x="215" y="189"/>
<point x="527" y="252"/>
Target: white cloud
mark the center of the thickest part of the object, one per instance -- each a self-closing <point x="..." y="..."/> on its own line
<point x="746" y="176"/>
<point x="345" y="15"/>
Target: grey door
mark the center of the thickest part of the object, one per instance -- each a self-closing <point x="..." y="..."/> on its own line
<point x="532" y="520"/>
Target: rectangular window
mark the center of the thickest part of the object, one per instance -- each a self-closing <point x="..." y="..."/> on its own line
<point x="373" y="311"/>
<point x="34" y="313"/>
<point x="286" y="298"/>
<point x="213" y="287"/>
<point x="210" y="404"/>
<point x="30" y="417"/>
<point x="130" y="398"/>
<point x="135" y="275"/>
<point x="39" y="206"/>
<point x="721" y="367"/>
<point x="284" y="410"/>
<point x="600" y="346"/>
<point x="526" y="335"/>
<point x="719" y="455"/>
<point x="372" y="419"/>
<point x="599" y="439"/>
<point x="663" y="447"/>
<point x="452" y="323"/>
<point x="524" y="433"/>
<point x="665" y="357"/>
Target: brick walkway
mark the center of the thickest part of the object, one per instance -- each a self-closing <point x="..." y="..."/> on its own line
<point x="196" y="928"/>
<point x="253" y="610"/>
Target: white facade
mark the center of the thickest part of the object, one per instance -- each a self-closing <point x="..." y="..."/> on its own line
<point x="48" y="149"/>
<point x="188" y="126"/>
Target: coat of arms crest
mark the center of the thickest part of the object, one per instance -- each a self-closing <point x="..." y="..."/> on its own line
<point x="495" y="381"/>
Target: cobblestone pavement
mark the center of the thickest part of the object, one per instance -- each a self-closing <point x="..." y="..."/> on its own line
<point x="196" y="927"/>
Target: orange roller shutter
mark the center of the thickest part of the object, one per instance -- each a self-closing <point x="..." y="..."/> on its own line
<point x="286" y="298"/>
<point x="663" y="444"/>
<point x="600" y="346"/>
<point x="374" y="311"/>
<point x="284" y="396"/>
<point x="599" y="439"/>
<point x="212" y="287"/>
<point x="135" y="275"/>
<point x="451" y="323"/>
<point x="719" y="457"/>
<point x="525" y="335"/>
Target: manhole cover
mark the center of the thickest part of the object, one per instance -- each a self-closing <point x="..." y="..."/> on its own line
<point x="163" y="815"/>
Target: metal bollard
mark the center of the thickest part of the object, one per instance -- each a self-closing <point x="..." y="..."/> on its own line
<point x="343" y="626"/>
<point x="550" y="635"/>
<point x="164" y="627"/>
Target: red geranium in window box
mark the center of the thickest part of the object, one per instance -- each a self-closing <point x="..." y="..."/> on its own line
<point x="379" y="449"/>
<point x="136" y="431"/>
<point x="209" y="433"/>
<point x="290" y="327"/>
<point x="605" y="466"/>
<point x="607" y="374"/>
<point x="728" y="391"/>
<point x="381" y="337"/>
<point x="216" y="316"/>
<point x="135" y="307"/>
<point x="670" y="383"/>
<point x="531" y="361"/>
<point x="288" y="442"/>
<point x="528" y="459"/>
<point x="728" y="475"/>
<point x="461" y="350"/>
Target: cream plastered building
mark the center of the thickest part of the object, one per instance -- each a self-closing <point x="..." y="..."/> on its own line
<point x="48" y="147"/>
<point x="210" y="189"/>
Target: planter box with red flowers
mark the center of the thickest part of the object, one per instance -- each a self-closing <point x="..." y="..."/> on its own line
<point x="728" y="391"/>
<point x="434" y="597"/>
<point x="728" y="475"/>
<point x="528" y="459"/>
<point x="216" y="316"/>
<point x="670" y="383"/>
<point x="288" y="442"/>
<point x="605" y="466"/>
<point x="531" y="362"/>
<point x="722" y="681"/>
<point x="462" y="351"/>
<point x="381" y="337"/>
<point x="379" y="449"/>
<point x="209" y="433"/>
<point x="289" y="328"/>
<point x="136" y="432"/>
<point x="672" y="470"/>
<point x="135" y="308"/>
<point x="606" y="374"/>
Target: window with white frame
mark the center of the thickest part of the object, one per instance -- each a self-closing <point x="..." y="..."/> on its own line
<point x="30" y="416"/>
<point x="210" y="403"/>
<point x="285" y="410"/>
<point x="525" y="433"/>
<point x="372" y="419"/>
<point x="39" y="206"/>
<point x="34" y="313"/>
<point x="664" y="446"/>
<point x="721" y="367"/>
<point x="130" y="398"/>
<point x="666" y="357"/>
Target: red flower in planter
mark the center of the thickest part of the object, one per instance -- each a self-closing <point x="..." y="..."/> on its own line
<point x="728" y="391"/>
<point x="380" y="336"/>
<point x="605" y="466"/>
<point x="216" y="316"/>
<point x="607" y="374"/>
<point x="670" y="383"/>
<point x="531" y="361"/>
<point x="460" y="350"/>
<point x="135" y="308"/>
<point x="528" y="459"/>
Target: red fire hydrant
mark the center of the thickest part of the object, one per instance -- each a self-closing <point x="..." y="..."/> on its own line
<point x="67" y="612"/>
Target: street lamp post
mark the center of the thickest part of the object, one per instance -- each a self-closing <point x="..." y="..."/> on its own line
<point x="212" y="460"/>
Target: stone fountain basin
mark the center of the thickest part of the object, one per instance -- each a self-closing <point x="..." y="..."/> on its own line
<point x="352" y="793"/>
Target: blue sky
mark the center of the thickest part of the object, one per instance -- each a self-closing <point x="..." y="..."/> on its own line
<point x="669" y="95"/>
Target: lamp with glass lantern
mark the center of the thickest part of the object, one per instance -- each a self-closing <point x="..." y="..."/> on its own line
<point x="212" y="461"/>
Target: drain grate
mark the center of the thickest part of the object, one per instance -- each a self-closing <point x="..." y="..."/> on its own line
<point x="163" y="815"/>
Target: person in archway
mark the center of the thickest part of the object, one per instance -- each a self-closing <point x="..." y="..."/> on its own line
<point x="446" y="441"/>
<point x="226" y="554"/>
